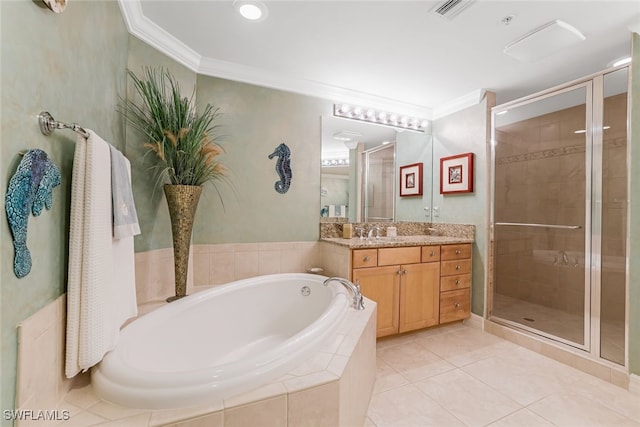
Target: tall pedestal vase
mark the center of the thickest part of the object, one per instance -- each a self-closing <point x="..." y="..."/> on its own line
<point x="182" y="201"/>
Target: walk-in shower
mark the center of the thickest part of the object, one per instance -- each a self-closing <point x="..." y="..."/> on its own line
<point x="559" y="214"/>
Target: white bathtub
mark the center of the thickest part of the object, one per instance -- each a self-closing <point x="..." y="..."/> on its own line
<point x="217" y="343"/>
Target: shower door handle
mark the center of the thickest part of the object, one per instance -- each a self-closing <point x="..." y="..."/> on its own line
<point x="522" y="224"/>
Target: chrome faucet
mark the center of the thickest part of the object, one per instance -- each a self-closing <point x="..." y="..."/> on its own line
<point x="377" y="230"/>
<point x="358" y="303"/>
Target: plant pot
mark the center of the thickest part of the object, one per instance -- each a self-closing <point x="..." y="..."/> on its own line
<point x="182" y="201"/>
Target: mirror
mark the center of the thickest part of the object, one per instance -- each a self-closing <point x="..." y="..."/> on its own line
<point x="345" y="177"/>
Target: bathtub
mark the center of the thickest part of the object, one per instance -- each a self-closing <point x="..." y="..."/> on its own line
<point x="220" y="342"/>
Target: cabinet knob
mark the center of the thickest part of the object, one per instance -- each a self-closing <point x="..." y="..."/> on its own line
<point x="458" y="252"/>
<point x="457" y="281"/>
<point x="457" y="305"/>
<point x="366" y="258"/>
<point x="458" y="267"/>
<point x="432" y="253"/>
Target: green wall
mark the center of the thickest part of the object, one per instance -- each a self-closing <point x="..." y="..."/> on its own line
<point x="462" y="132"/>
<point x="255" y="121"/>
<point x="634" y="220"/>
<point x="414" y="147"/>
<point x="73" y="65"/>
<point x="151" y="205"/>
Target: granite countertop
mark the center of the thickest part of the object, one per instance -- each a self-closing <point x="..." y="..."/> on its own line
<point x="390" y="242"/>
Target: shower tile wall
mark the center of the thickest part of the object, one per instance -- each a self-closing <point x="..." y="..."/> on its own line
<point x="540" y="179"/>
<point x="540" y="170"/>
<point x="614" y="207"/>
<point x="614" y="229"/>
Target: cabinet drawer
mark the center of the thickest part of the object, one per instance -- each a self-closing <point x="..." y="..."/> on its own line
<point x="455" y="305"/>
<point x="365" y="258"/>
<point x="396" y="256"/>
<point x="451" y="283"/>
<point x="430" y="253"/>
<point x="462" y="251"/>
<point x="456" y="267"/>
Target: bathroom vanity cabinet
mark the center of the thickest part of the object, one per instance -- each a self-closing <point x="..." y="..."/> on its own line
<point x="415" y="286"/>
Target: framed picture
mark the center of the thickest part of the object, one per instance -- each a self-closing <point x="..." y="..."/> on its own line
<point x="411" y="180"/>
<point x="456" y="174"/>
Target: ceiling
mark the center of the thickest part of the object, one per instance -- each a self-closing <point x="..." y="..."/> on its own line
<point x="395" y="55"/>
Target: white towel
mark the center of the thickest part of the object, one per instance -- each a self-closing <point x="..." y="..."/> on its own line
<point x="125" y="218"/>
<point x="101" y="292"/>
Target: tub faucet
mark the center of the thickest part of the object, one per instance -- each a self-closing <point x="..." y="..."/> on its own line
<point x="358" y="303"/>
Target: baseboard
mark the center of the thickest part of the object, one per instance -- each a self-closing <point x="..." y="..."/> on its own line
<point x="634" y="384"/>
<point x="475" y="321"/>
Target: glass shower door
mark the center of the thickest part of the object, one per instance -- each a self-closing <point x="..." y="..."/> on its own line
<point x="613" y="228"/>
<point x="541" y="153"/>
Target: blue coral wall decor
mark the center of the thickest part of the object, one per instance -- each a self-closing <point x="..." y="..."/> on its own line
<point x="30" y="189"/>
<point x="283" y="167"/>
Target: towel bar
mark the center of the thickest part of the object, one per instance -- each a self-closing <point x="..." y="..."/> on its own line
<point x="48" y="124"/>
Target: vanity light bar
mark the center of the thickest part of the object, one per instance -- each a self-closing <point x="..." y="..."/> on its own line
<point x="380" y="117"/>
<point x="335" y="162"/>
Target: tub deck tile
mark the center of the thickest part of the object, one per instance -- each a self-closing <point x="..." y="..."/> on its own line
<point x="261" y="393"/>
<point x="309" y="381"/>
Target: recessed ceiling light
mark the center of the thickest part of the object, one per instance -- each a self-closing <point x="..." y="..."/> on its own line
<point x="251" y="10"/>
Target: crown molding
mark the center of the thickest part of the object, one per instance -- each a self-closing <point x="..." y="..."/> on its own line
<point x="143" y="28"/>
<point x="146" y="30"/>
<point x="455" y="105"/>
<point x="282" y="81"/>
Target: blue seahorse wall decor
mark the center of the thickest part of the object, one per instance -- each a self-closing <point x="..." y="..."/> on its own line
<point x="30" y="189"/>
<point x="283" y="167"/>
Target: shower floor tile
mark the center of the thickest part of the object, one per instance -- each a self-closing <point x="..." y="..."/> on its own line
<point x="560" y="324"/>
<point x="490" y="382"/>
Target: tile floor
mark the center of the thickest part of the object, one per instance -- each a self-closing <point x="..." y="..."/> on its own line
<point x="460" y="376"/>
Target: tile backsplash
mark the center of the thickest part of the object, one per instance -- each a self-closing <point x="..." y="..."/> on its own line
<point x="404" y="228"/>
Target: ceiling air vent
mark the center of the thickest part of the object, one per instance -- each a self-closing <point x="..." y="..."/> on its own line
<point x="451" y="8"/>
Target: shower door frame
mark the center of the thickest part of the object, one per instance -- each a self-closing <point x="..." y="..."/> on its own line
<point x="594" y="85"/>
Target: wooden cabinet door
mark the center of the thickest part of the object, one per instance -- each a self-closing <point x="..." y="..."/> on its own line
<point x="382" y="284"/>
<point x="419" y="296"/>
